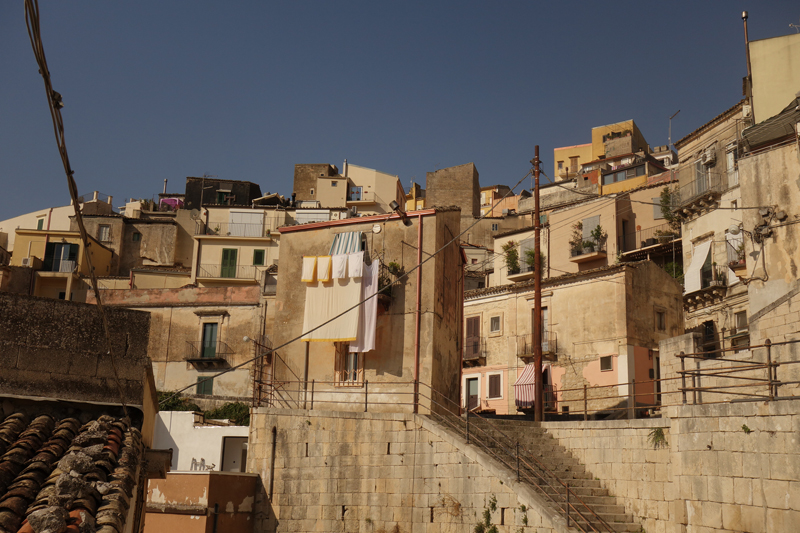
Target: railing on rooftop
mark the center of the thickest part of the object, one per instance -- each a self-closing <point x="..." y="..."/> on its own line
<point x="661" y="234"/>
<point x="231" y="229"/>
<point x="229" y="272"/>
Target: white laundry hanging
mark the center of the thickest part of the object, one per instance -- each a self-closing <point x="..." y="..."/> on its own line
<point x="368" y="320"/>
<point x="309" y="273"/>
<point x="340" y="266"/>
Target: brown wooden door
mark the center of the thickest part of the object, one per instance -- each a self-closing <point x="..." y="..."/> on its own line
<point x="472" y="345"/>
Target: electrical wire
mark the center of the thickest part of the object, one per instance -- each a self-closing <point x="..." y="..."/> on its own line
<point x="400" y="279"/>
<point x="55" y="104"/>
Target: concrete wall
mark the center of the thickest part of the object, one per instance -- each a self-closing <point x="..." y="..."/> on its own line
<point x="775" y="66"/>
<point x="305" y="179"/>
<point x="457" y="186"/>
<point x="598" y="147"/>
<point x="186" y="502"/>
<point x="392" y="361"/>
<point x="192" y="443"/>
<point x="379" y="472"/>
<point x="16" y="279"/>
<point x="57" y="349"/>
<point x="378" y="186"/>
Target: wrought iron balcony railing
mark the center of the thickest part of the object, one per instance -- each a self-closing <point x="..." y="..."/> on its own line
<point x="474" y="348"/>
<point x="525" y="344"/>
<point x="231" y="229"/>
<point x="207" y="352"/>
<point x="229" y="272"/>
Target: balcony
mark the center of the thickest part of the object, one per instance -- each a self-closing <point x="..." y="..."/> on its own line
<point x="737" y="260"/>
<point x="549" y="346"/>
<point x="589" y="251"/>
<point x="204" y="354"/>
<point x="475" y="351"/>
<point x="231" y="229"/>
<point x="361" y="198"/>
<point x="243" y="272"/>
<point x="525" y="273"/>
<point x="703" y="192"/>
<point x="642" y="244"/>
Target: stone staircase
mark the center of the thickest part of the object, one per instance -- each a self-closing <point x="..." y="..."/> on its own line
<point x="547" y="466"/>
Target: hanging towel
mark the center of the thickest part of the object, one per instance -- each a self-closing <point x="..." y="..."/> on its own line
<point x="368" y="320"/>
<point x="324" y="268"/>
<point x="325" y="301"/>
<point x="340" y="266"/>
<point x="309" y="268"/>
<point x="356" y="264"/>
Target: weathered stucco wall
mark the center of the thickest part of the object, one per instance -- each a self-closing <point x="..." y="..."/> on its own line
<point x="380" y="472"/>
<point x="193" y="444"/>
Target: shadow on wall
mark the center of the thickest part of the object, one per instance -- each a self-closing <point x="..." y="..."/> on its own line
<point x="164" y="437"/>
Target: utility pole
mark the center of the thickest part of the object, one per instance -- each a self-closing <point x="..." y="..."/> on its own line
<point x="538" y="386"/>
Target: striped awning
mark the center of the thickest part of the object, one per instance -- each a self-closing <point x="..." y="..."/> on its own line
<point x="346" y="243"/>
<point x="524" y="386"/>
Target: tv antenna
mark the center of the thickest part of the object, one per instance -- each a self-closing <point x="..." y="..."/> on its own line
<point x="795" y="26"/>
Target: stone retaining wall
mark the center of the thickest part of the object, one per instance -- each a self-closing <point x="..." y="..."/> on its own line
<point x="381" y="473"/>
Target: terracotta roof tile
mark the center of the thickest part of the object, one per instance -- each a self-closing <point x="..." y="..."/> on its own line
<point x="63" y="476"/>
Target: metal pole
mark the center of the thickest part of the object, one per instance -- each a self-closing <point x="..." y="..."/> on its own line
<point x="771" y="391"/>
<point x="418" y="315"/>
<point x="694" y="388"/>
<point x="467" y="424"/>
<point x="312" y="394"/>
<point x="518" y="462"/>
<point x="585" y="404"/>
<point x="632" y="401"/>
<point x="749" y="94"/>
<point x="538" y="389"/>
<point x="366" y="395"/>
<point x="683" y="377"/>
<point x="567" y="504"/>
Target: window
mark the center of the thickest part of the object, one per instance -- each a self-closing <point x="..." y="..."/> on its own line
<point x="494" y="227"/>
<point x="741" y="321"/>
<point x="734" y="204"/>
<point x="661" y="320"/>
<point x="706" y="273"/>
<point x="205" y="385"/>
<point x="104" y="233"/>
<point x="355" y="194"/>
<point x="312" y="192"/>
<point x="495" y="386"/>
<point x="700" y="177"/>
<point x="573" y="164"/>
<point x="606" y="363"/>
<point x="334" y="183"/>
<point x="258" y="257"/>
<point x="657" y="213"/>
<point x="208" y="348"/>
<point x="136" y="237"/>
<point x="40" y="223"/>
<point x="589" y="224"/>
<point x="731" y="160"/>
<point x="494" y="324"/>
<point x="472" y="346"/>
<point x="560" y="165"/>
<point x="349" y="371"/>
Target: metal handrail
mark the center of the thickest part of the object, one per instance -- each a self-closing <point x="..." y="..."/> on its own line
<point x="539" y="464"/>
<point x="196" y="349"/>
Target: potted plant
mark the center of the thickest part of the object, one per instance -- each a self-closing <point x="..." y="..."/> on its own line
<point x="576" y="239"/>
<point x="512" y="257"/>
<point x="530" y="259"/>
<point x="599" y="236"/>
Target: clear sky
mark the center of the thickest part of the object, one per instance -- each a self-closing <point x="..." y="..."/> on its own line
<point x="245" y="90"/>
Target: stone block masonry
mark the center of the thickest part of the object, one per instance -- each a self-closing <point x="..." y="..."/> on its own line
<point x="731" y="467"/>
<point x="375" y="473"/>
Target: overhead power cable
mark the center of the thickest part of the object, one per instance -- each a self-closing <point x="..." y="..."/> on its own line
<point x="55" y="104"/>
<point x="399" y="280"/>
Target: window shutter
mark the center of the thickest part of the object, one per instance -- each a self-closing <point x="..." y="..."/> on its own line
<point x="494" y="386"/>
<point x="589" y="224"/>
<point x="657" y="214"/>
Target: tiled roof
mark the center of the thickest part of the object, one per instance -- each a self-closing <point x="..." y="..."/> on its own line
<point x="58" y="475"/>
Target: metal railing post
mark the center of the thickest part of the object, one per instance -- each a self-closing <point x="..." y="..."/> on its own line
<point x="683" y="376"/>
<point x="366" y="394"/>
<point x="312" y="394"/>
<point x="694" y="388"/>
<point x="467" y="424"/>
<point x="518" y="478"/>
<point x="567" y="508"/>
<point x="632" y="400"/>
<point x="770" y="382"/>
<point x="585" y="404"/>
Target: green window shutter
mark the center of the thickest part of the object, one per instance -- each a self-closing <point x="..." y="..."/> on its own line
<point x="205" y="387"/>
<point x="258" y="257"/>
<point x="228" y="269"/>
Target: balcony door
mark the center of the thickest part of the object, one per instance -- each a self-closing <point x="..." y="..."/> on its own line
<point x="228" y="269"/>
<point x="545" y="328"/>
<point x="209" y="347"/>
<point x="472" y="393"/>
<point x="473" y="341"/>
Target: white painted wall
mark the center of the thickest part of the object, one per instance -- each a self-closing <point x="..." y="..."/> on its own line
<point x="176" y="430"/>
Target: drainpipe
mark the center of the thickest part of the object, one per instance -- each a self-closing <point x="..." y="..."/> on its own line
<point x="418" y="315"/>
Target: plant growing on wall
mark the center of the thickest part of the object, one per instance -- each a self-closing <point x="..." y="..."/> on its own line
<point x="675" y="270"/>
<point x="657" y="438"/>
<point x="512" y="257"/>
<point x="667" y="201"/>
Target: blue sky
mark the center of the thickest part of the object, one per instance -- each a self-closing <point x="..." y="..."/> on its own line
<point x="245" y="90"/>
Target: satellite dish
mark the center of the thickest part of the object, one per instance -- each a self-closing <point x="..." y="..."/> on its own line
<point x="734" y="229"/>
<point x="195" y="214"/>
